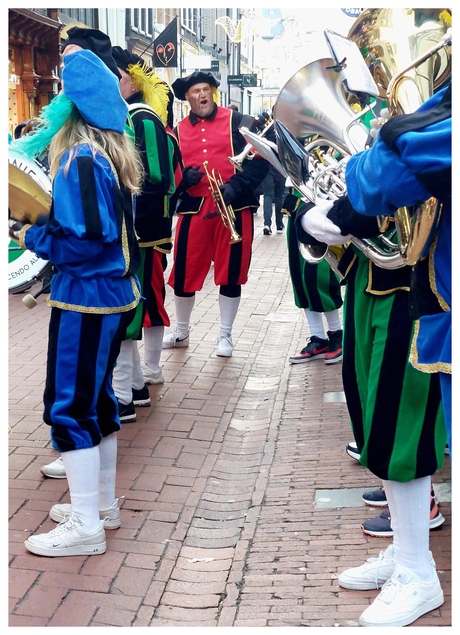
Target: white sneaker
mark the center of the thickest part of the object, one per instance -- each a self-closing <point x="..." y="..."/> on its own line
<point x="352" y="450"/>
<point x="68" y="539"/>
<point x="402" y="600"/>
<point x="55" y="469"/>
<point x="224" y="346"/>
<point x="152" y="376"/>
<point x="372" y="574"/>
<point x="110" y="515"/>
<point x="172" y="340"/>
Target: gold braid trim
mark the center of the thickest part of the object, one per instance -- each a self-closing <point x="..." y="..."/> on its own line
<point x="22" y="236"/>
<point x="432" y="277"/>
<point x="387" y="291"/>
<point x="98" y="310"/>
<point x="437" y="367"/>
<point x="157" y="244"/>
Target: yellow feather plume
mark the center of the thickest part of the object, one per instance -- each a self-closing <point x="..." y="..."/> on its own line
<point x="155" y="92"/>
<point x="215" y="95"/>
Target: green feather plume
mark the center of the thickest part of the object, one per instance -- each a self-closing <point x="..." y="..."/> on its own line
<point x="52" y="118"/>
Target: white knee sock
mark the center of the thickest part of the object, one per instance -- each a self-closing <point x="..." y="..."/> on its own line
<point x="108" y="470"/>
<point x="122" y="381"/>
<point x="138" y="376"/>
<point x="333" y="320"/>
<point x="409" y="505"/>
<point x="153" y="339"/>
<point x="184" y="308"/>
<point x="315" y="322"/>
<point x="228" y="309"/>
<point x="82" y="469"/>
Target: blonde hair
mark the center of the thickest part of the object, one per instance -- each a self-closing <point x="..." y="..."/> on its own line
<point x="119" y="148"/>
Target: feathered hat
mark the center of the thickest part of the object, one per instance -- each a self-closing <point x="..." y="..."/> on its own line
<point x="89" y="88"/>
<point x="155" y="92"/>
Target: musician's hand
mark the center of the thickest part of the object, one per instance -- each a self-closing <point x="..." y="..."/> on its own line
<point x="14" y="228"/>
<point x="316" y="223"/>
<point x="228" y="193"/>
<point x="376" y="124"/>
<point x="191" y="176"/>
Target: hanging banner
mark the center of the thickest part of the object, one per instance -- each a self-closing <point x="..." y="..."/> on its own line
<point x="164" y="53"/>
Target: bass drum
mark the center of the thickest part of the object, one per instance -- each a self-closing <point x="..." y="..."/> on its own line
<point x="29" y="194"/>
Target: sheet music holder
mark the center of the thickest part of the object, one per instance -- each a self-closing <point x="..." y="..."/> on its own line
<point x="351" y="64"/>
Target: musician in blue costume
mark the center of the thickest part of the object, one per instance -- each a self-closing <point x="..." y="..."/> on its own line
<point x="90" y="238"/>
<point x="409" y="162"/>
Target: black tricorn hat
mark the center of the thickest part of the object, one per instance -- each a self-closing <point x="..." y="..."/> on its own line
<point x="124" y="58"/>
<point x="94" y="40"/>
<point x="182" y="84"/>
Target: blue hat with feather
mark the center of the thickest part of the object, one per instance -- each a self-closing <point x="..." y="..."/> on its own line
<point x="94" y="90"/>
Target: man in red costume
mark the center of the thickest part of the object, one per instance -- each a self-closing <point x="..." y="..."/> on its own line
<point x="207" y="137"/>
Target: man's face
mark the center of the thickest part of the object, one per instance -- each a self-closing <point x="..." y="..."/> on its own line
<point x="199" y="96"/>
<point x="127" y="87"/>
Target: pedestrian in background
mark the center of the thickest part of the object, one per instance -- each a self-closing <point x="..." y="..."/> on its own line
<point x="273" y="192"/>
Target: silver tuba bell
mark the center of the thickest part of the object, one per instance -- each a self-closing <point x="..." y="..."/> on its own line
<point x="317" y="131"/>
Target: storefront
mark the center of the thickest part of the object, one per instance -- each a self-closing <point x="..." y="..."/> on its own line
<point x="33" y="58"/>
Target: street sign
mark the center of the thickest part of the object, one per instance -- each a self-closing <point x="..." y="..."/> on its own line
<point x="250" y="80"/>
<point x="235" y="79"/>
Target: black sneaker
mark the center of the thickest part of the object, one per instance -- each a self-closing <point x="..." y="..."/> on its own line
<point x="352" y="450"/>
<point x="380" y="526"/>
<point x="280" y="229"/>
<point x="141" y="397"/>
<point x="315" y="349"/>
<point x="267" y="230"/>
<point x="126" y="412"/>
<point x="376" y="497"/>
<point x="334" y="350"/>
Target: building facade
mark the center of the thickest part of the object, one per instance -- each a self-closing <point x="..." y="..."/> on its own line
<point x="217" y="40"/>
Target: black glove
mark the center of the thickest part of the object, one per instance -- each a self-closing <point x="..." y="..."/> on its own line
<point x="191" y="176"/>
<point x="229" y="193"/>
<point x="351" y="222"/>
<point x="14" y="228"/>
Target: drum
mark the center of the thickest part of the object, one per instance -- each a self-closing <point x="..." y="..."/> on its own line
<point x="29" y="195"/>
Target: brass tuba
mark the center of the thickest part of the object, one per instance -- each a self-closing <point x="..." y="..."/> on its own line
<point x="407" y="53"/>
<point x="226" y="211"/>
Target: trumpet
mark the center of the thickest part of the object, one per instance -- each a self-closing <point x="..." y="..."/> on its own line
<point x="249" y="152"/>
<point x="226" y="211"/>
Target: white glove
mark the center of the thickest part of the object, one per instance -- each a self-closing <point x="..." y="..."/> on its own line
<point x="376" y="124"/>
<point x="316" y="223"/>
<point x="14" y="228"/>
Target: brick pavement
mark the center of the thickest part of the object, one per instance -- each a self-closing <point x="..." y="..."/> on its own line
<point x="220" y="476"/>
